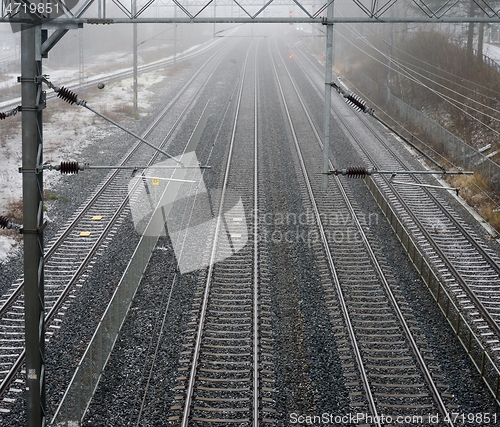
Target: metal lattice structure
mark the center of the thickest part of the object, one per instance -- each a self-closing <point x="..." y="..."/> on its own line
<point x="67" y="12"/>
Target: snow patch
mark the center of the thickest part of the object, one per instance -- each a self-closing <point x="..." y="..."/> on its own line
<point x="6" y="246"/>
<point x="493" y="52"/>
<point x="67" y="131"/>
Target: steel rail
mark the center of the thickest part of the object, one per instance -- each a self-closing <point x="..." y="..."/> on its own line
<point x="350" y="328"/>
<point x="417" y="353"/>
<point x="160" y="333"/>
<point x="108" y="182"/>
<point x="494" y="325"/>
<point x="114" y="174"/>
<point x="208" y="283"/>
<point x="121" y="74"/>
<point x="256" y="258"/>
<point x="445" y="211"/>
<point x="329" y="256"/>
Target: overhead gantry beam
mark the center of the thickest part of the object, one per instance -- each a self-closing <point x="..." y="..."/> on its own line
<point x="254" y="11"/>
<point x="72" y="22"/>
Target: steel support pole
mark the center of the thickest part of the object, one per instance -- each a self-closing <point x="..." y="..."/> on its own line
<point x="134" y="44"/>
<point x="32" y="100"/>
<point x="389" y="65"/>
<point x="175" y="37"/>
<point x="215" y="15"/>
<point x="328" y="92"/>
<point x="81" y="58"/>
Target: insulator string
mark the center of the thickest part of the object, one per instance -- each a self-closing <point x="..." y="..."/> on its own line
<point x="67" y="95"/>
<point x="69" y="168"/>
<point x="357" y="172"/>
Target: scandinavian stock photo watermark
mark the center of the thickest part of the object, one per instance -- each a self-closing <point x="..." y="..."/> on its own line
<point x="301" y="227"/>
<point x="167" y="197"/>
<point x="363" y="418"/>
<point x="170" y="198"/>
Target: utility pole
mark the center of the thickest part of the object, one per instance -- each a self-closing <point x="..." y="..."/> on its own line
<point x="215" y="14"/>
<point x="80" y="50"/>
<point x="389" y="65"/>
<point x="33" y="101"/>
<point x="134" y="45"/>
<point x="328" y="92"/>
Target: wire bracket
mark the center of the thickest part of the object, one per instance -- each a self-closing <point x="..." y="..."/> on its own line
<point x="361" y="172"/>
<point x="37" y="230"/>
<point x="72" y="168"/>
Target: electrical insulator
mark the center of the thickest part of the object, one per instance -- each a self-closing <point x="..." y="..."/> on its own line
<point x="357" y="172"/>
<point x="69" y="168"/>
<point x="355" y="102"/>
<point x="5" y="223"/>
<point x="3" y="116"/>
<point x="67" y="95"/>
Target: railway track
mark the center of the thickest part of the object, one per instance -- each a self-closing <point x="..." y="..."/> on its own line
<point x="388" y="372"/>
<point x="469" y="269"/>
<point x="122" y="74"/>
<point x="73" y="249"/>
<point x="236" y="339"/>
<point x="226" y="368"/>
<point x="228" y="364"/>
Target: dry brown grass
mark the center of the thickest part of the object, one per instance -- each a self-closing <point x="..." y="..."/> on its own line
<point x="14" y="212"/>
<point x="474" y="190"/>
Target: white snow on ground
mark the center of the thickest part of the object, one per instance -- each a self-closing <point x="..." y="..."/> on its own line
<point x="6" y="245"/>
<point x="10" y="80"/>
<point x="492" y="51"/>
<point x="68" y="129"/>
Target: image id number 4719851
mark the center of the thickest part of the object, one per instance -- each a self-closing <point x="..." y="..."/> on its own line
<point x="479" y="418"/>
<point x="41" y="8"/>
